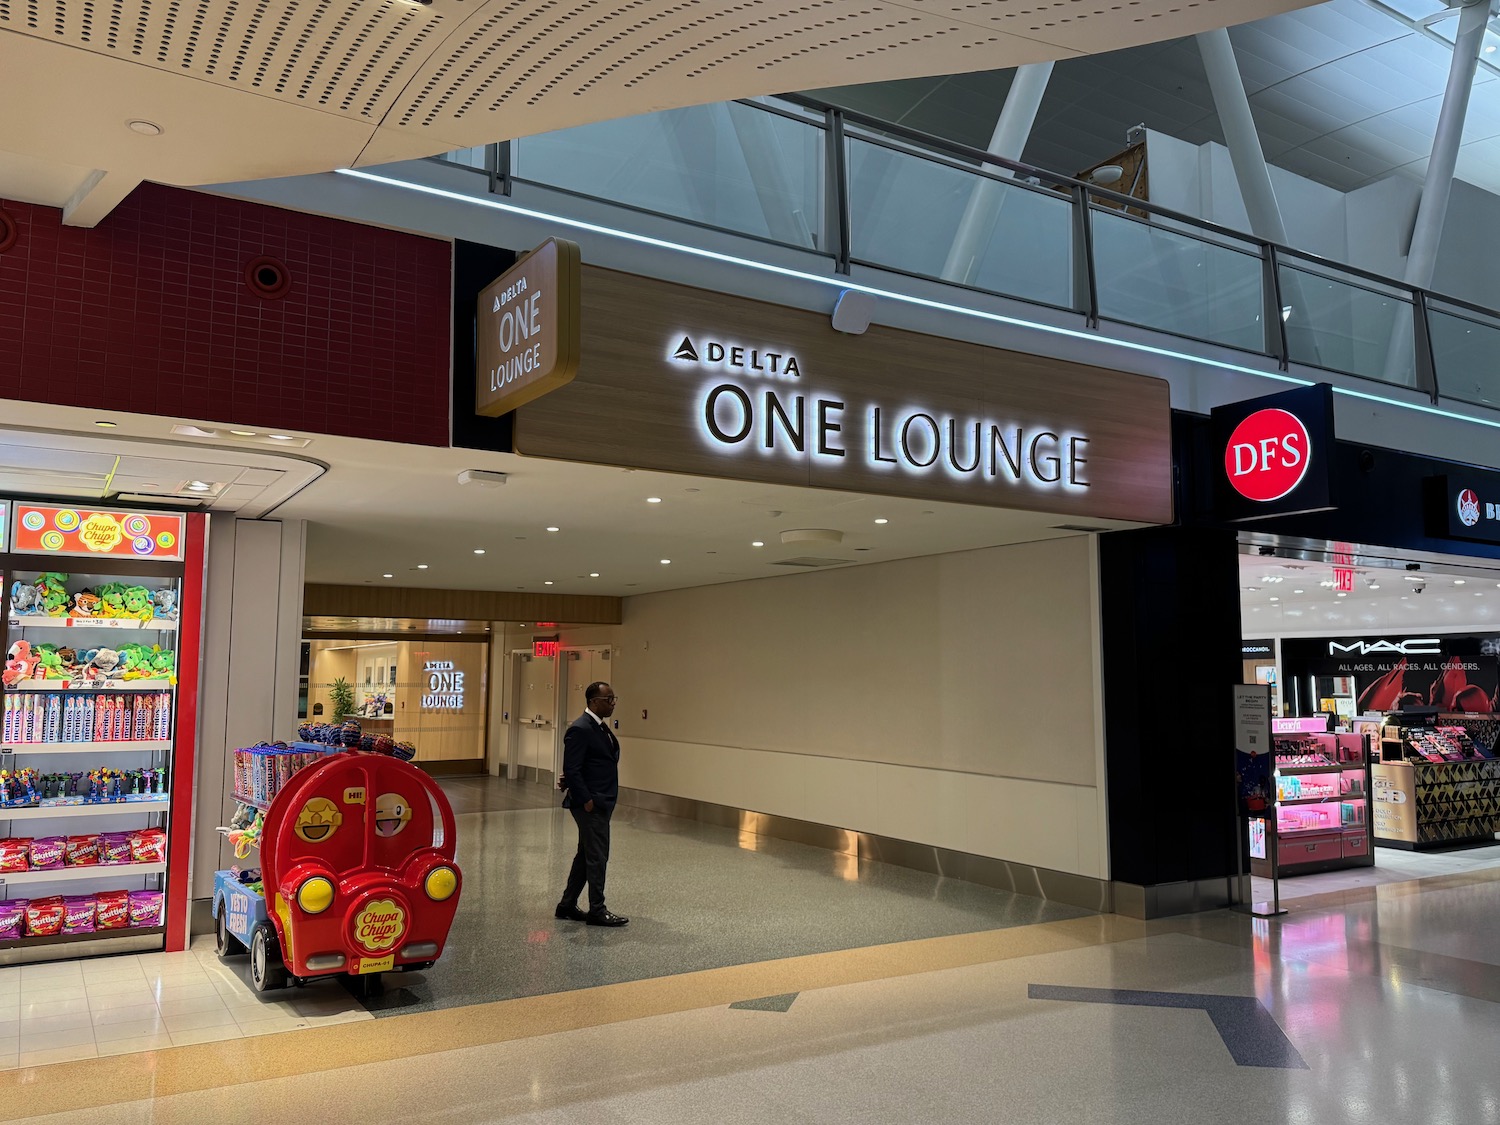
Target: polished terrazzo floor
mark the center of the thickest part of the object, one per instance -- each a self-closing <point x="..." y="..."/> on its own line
<point x="1376" y="1004"/>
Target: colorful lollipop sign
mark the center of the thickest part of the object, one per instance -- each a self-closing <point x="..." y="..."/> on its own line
<point x="45" y="529"/>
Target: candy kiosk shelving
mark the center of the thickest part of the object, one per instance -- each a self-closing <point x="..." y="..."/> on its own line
<point x="99" y="702"/>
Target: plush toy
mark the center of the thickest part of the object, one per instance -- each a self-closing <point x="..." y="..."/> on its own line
<point x="131" y="657"/>
<point x="138" y="603"/>
<point x="49" y="663"/>
<point x="166" y="604"/>
<point x="55" y="600"/>
<point x="21" y="664"/>
<point x="26" y="600"/>
<point x="163" y="663"/>
<point x="112" y="600"/>
<point x="85" y="604"/>
<point x="102" y="664"/>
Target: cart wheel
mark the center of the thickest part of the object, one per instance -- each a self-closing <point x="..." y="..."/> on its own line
<point x="266" y="970"/>
<point x="224" y="942"/>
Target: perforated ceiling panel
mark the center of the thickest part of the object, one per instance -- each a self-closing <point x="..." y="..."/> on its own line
<point x="343" y="58"/>
<point x="295" y="86"/>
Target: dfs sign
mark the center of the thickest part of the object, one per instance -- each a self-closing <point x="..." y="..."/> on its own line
<point x="1276" y="455"/>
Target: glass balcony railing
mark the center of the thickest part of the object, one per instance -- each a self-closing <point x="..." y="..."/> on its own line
<point x="858" y="191"/>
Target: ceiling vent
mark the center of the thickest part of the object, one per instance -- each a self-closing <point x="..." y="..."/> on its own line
<point x="810" y="562"/>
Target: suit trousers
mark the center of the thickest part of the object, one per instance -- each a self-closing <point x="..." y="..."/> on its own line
<point x="592" y="858"/>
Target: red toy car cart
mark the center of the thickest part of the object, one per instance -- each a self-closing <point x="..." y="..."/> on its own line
<point x="357" y="862"/>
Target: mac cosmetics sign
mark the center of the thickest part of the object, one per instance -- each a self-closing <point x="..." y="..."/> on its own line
<point x="527" y="329"/>
<point x="1277" y="455"/>
<point x="684" y="380"/>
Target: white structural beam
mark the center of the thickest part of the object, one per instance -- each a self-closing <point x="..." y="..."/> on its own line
<point x="1427" y="231"/>
<point x="1012" y="130"/>
<point x="1248" y="158"/>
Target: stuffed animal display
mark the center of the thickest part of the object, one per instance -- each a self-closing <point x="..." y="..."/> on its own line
<point x="47" y="596"/>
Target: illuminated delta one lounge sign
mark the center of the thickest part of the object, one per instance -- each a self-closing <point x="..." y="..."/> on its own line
<point x="683" y="380"/>
<point x="737" y="411"/>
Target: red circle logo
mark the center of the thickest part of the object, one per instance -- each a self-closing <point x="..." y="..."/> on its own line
<point x="1267" y="455"/>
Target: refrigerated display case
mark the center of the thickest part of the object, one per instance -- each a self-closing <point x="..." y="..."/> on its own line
<point x="98" y="703"/>
<point x="1321" y="809"/>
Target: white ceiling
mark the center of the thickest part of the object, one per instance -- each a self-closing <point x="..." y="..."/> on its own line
<point x="379" y="508"/>
<point x="1343" y="93"/>
<point x="248" y="89"/>
<point x="1443" y="597"/>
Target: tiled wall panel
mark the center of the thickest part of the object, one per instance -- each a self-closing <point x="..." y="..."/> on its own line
<point x="149" y="312"/>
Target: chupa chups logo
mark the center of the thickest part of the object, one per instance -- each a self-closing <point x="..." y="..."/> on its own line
<point x="1468" y="507"/>
<point x="1417" y="646"/>
<point x="379" y="925"/>
<point x="1267" y="455"/>
<point x="100" y="533"/>
<point x="714" y="353"/>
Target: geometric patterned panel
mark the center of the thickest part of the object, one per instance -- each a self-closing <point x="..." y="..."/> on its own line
<point x="1457" y="800"/>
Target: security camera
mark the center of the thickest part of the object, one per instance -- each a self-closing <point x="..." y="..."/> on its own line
<point x="1413" y="566"/>
<point x="1418" y="587"/>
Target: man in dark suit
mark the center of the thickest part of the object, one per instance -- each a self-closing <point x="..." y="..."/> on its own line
<point x="591" y="772"/>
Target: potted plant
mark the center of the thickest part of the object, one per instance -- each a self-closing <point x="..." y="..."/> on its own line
<point x="340" y="699"/>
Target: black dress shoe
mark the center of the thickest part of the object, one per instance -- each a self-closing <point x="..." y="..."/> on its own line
<point x="570" y="913"/>
<point x="604" y="918"/>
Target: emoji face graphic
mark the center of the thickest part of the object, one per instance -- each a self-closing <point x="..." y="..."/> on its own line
<point x="318" y="820"/>
<point x="391" y="814"/>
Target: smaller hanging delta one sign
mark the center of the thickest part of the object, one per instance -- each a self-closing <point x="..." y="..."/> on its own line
<point x="685" y="380"/>
<point x="526" y="333"/>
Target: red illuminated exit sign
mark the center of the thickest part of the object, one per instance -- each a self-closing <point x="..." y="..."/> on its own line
<point x="1343" y="579"/>
<point x="543" y="647"/>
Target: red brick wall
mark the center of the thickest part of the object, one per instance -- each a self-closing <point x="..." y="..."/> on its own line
<point x="149" y="313"/>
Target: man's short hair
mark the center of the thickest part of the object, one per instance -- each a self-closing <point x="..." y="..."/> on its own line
<point x="594" y="690"/>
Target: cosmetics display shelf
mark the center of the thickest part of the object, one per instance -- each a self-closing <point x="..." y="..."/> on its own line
<point x="1307" y="848"/>
<point x="1331" y="799"/>
<point x="1336" y="767"/>
<point x="93" y="871"/>
<point x="108" y="808"/>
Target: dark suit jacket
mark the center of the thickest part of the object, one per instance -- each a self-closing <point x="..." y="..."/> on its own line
<point x="591" y="764"/>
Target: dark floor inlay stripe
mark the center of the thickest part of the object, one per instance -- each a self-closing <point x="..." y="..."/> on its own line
<point x="768" y="1003"/>
<point x="1251" y="1033"/>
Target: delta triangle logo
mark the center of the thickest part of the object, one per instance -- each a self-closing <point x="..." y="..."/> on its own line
<point x="497" y="303"/>
<point x="685" y="350"/>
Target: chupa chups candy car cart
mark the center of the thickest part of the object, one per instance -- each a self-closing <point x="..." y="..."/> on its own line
<point x="357" y="865"/>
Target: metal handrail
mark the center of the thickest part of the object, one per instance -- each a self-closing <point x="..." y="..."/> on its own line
<point x="839" y="125"/>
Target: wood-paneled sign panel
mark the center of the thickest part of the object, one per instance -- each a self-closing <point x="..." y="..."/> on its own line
<point x="686" y="380"/>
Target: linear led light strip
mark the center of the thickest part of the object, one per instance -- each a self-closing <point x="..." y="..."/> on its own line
<point x="904" y="298"/>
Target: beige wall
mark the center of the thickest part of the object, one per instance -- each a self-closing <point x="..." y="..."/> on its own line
<point x="950" y="700"/>
<point x="442" y="735"/>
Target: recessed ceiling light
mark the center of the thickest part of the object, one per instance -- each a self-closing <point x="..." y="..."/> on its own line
<point x="1403" y="597"/>
<point x="107" y="425"/>
<point x="281" y="437"/>
<point x="421" y="566"/>
<point x="756" y="543"/>
<point x="1458" y="581"/>
<point x="554" y="529"/>
<point x="653" y="499"/>
<point x="243" y="433"/>
<point x="387" y="576"/>
<point x="548" y="582"/>
<point x="1374" y="585"/>
<point x="1296" y="591"/>
<point x="1342" y="594"/>
<point x="198" y="486"/>
<point x="882" y="521"/>
<point x="593" y="574"/>
<point x="1275" y="599"/>
<point x="1479" y="593"/>
<point x="665" y="562"/>
<point x="479" y="550"/>
<point x="144" y="128"/>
